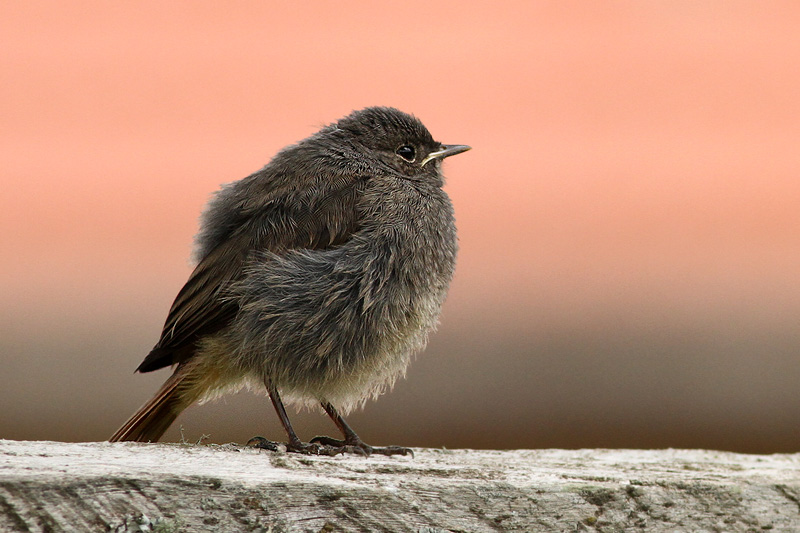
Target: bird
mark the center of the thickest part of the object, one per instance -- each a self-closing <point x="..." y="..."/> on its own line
<point x="317" y="279"/>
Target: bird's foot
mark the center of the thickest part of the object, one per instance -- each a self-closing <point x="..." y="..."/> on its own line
<point x="359" y="447"/>
<point x="263" y="444"/>
<point x="306" y="448"/>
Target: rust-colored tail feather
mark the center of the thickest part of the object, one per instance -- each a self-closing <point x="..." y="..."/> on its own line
<point x="150" y="422"/>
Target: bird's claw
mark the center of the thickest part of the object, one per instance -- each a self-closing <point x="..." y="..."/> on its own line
<point x="359" y="447"/>
<point x="263" y="444"/>
<point x="329" y="447"/>
<point x="305" y="448"/>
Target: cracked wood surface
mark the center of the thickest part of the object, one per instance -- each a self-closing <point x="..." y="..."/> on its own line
<point x="127" y="487"/>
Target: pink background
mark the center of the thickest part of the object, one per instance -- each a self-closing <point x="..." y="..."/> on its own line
<point x="629" y="214"/>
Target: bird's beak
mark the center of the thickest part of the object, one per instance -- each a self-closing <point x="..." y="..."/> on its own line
<point x="445" y="150"/>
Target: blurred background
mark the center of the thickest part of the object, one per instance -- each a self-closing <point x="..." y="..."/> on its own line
<point x="629" y="215"/>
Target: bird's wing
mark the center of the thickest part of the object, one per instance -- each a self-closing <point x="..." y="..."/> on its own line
<point x="288" y="219"/>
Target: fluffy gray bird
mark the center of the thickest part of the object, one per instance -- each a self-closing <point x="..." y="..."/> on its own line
<point x="318" y="277"/>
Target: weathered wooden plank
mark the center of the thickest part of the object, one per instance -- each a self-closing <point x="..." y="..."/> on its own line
<point x="50" y="486"/>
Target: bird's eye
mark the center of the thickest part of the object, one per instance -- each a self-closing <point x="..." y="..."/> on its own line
<point x="407" y="152"/>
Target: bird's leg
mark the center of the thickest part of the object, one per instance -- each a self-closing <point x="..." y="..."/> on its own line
<point x="294" y="444"/>
<point x="352" y="443"/>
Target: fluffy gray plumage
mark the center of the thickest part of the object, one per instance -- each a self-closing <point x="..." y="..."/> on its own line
<point x="321" y="274"/>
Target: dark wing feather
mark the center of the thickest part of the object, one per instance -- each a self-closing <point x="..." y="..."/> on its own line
<point x="311" y="219"/>
<point x="198" y="310"/>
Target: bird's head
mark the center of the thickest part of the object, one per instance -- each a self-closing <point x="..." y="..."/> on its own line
<point x="398" y="140"/>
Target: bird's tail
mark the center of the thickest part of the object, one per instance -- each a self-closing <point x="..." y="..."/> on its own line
<point x="150" y="422"/>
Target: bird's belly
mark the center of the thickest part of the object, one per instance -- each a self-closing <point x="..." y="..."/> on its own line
<point x="339" y="325"/>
